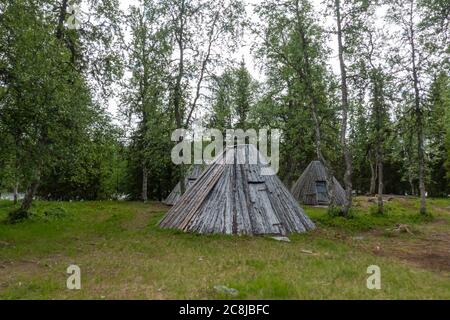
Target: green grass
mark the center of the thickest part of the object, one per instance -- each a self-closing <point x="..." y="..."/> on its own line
<point x="364" y="219"/>
<point x="123" y="254"/>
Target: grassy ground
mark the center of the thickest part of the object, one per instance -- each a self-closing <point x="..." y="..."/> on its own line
<point x="123" y="255"/>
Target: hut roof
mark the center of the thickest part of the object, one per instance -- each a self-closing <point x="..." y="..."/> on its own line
<point x="194" y="172"/>
<point x="233" y="197"/>
<point x="311" y="187"/>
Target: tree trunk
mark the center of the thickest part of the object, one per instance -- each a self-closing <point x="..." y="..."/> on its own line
<point x="378" y="108"/>
<point x="379" y="155"/>
<point x="61" y="19"/>
<point x="344" y="91"/>
<point x="419" y="115"/>
<point x="373" y="177"/>
<point x="423" y="209"/>
<point x="144" y="183"/>
<point x="28" y="199"/>
<point x="178" y="90"/>
<point x="288" y="177"/>
<point x="314" y="108"/>
<point x="380" y="182"/>
<point x="182" y="178"/>
<point x="15" y="192"/>
<point x="413" y="188"/>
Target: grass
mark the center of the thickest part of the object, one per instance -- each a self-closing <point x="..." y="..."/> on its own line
<point x="124" y="255"/>
<point x="364" y="219"/>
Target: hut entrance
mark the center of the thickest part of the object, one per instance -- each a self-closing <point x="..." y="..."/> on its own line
<point x="321" y="190"/>
<point x="261" y="211"/>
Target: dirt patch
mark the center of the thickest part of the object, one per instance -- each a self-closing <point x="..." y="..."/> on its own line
<point x="138" y="222"/>
<point x="428" y="260"/>
<point x="156" y="207"/>
<point x="9" y="270"/>
<point x="141" y="217"/>
<point x="426" y="247"/>
<point x="434" y="256"/>
<point x="367" y="201"/>
<point x="441" y="210"/>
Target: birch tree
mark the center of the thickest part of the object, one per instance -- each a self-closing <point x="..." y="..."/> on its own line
<point x="417" y="53"/>
<point x="201" y="30"/>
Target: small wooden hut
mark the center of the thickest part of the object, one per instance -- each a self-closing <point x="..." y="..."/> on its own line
<point x="233" y="197"/>
<point x="311" y="187"/>
<point x="194" y="172"/>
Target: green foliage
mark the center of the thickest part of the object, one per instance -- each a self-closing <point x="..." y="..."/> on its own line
<point x="293" y="52"/>
<point x="8" y="170"/>
<point x="335" y="211"/>
<point x="222" y="102"/>
<point x="18" y="215"/>
<point x="144" y="100"/>
<point x="447" y="145"/>
<point x="48" y="110"/>
<point x="37" y="214"/>
<point x="438" y="134"/>
<point x="55" y="213"/>
<point x="243" y="95"/>
<point x="374" y="210"/>
<point x="233" y="99"/>
<point x="93" y="170"/>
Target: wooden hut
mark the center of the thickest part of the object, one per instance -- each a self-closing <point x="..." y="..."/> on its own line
<point x="194" y="172"/>
<point x="233" y="197"/>
<point x="311" y="187"/>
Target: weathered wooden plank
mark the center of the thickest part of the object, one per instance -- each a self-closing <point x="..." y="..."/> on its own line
<point x="235" y="198"/>
<point x="194" y="173"/>
<point x="305" y="188"/>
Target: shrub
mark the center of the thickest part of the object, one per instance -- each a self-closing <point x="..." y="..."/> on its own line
<point x="55" y="213"/>
<point x="17" y="216"/>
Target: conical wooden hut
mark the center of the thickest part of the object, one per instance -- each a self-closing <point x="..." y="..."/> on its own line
<point x="311" y="187"/>
<point x="233" y="197"/>
<point x="194" y="172"/>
